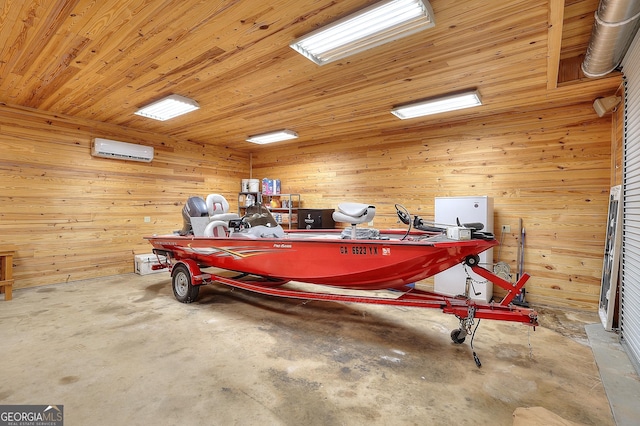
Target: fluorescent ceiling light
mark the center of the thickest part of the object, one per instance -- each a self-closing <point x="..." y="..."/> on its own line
<point x="377" y="24"/>
<point x="438" y="105"/>
<point x="169" y="107"/>
<point x="280" y="135"/>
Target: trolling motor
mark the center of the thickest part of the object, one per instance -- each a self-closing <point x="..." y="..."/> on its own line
<point x="476" y="227"/>
<point x="418" y="222"/>
<point x="422" y="225"/>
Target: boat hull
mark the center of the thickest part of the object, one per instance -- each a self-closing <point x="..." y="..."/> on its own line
<point x="326" y="259"/>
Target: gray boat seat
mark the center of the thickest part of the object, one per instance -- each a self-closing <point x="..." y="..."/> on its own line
<point x="218" y="208"/>
<point x="217" y="229"/>
<point x="354" y="213"/>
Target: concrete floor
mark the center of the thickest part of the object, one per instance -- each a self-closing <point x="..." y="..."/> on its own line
<point x="122" y="350"/>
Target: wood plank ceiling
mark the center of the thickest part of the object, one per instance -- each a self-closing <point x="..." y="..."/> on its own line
<point x="101" y="60"/>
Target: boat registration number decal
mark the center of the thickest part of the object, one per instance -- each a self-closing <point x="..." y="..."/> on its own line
<point x="364" y="250"/>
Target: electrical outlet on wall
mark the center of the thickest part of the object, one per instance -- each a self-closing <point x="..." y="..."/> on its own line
<point x="506" y="229"/>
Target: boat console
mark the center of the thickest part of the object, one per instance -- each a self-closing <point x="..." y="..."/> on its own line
<point x="258" y="222"/>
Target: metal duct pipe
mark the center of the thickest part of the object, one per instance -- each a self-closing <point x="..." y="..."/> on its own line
<point x="613" y="31"/>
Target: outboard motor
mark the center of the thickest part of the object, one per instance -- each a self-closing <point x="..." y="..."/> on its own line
<point x="194" y="207"/>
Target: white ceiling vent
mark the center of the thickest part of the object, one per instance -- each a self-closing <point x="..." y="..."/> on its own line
<point x="121" y="150"/>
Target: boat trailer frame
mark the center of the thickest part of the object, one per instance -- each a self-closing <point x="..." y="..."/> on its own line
<point x="464" y="308"/>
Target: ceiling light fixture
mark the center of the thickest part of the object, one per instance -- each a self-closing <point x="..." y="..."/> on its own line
<point x="438" y="105"/>
<point x="169" y="107"/>
<point x="377" y="24"/>
<point x="280" y="135"/>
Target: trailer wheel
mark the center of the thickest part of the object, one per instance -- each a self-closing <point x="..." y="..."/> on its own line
<point x="183" y="290"/>
<point x="455" y="336"/>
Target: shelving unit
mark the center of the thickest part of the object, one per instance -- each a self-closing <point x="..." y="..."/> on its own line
<point x="284" y="207"/>
<point x="285" y="210"/>
<point x="242" y="200"/>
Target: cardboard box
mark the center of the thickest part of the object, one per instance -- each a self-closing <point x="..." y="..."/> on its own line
<point x="271" y="186"/>
<point x="267" y="186"/>
<point x="143" y="263"/>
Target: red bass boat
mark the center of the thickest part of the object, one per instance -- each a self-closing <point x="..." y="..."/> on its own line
<point x="265" y="257"/>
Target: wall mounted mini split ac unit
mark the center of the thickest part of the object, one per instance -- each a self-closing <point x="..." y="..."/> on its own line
<point x="121" y="150"/>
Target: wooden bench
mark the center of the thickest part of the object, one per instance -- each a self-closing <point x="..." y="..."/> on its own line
<point x="6" y="272"/>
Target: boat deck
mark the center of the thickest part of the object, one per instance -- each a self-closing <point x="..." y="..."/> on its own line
<point x="385" y="235"/>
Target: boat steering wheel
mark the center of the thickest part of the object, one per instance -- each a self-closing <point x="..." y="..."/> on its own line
<point x="404" y="216"/>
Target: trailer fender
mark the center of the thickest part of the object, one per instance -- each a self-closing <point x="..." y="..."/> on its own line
<point x="197" y="277"/>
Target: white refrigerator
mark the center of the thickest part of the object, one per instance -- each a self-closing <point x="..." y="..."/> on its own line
<point x="452" y="282"/>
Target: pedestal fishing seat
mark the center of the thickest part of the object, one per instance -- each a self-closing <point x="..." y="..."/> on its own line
<point x="354" y="213"/>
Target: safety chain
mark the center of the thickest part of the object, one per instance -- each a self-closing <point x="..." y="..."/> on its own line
<point x="473" y="280"/>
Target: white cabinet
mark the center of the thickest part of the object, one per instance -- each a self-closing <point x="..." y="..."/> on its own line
<point x="452" y="282"/>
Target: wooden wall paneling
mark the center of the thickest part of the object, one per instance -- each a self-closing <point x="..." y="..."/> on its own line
<point x="578" y="14"/>
<point x="72" y="216"/>
<point x="102" y="60"/>
<point x="554" y="41"/>
<point x="550" y="167"/>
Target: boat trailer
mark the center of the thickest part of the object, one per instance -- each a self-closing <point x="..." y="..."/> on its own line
<point x="187" y="277"/>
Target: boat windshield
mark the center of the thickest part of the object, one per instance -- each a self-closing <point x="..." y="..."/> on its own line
<point x="257" y="215"/>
